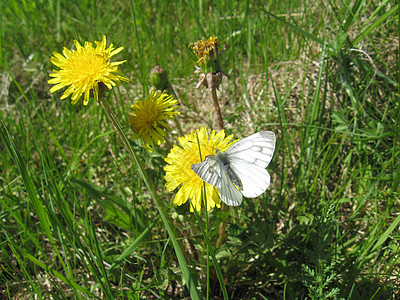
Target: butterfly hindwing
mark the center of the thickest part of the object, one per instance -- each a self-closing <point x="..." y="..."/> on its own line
<point x="228" y="192"/>
<point x="211" y="171"/>
<point x="255" y="180"/>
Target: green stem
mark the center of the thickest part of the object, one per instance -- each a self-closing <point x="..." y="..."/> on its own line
<point x="222" y="226"/>
<point x="210" y="251"/>
<point x="188" y="277"/>
<point x="170" y="90"/>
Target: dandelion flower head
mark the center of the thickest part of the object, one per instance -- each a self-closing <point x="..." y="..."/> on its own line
<point x="148" y="118"/>
<point x="84" y="69"/>
<point x="209" y="69"/>
<point x="205" y="48"/>
<point x="193" y="149"/>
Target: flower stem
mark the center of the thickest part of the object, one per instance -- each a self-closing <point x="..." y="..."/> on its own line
<point x="222" y="226"/>
<point x="188" y="277"/>
<point x="217" y="108"/>
<point x="171" y="91"/>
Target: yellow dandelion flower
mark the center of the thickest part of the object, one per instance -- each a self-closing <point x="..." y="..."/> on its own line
<point x="148" y="117"/>
<point x="84" y="69"/>
<point x="178" y="172"/>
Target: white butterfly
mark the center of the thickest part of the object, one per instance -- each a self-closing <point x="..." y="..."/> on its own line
<point x="240" y="170"/>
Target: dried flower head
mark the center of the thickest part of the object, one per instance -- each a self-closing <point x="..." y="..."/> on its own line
<point x="208" y="59"/>
<point x="206" y="50"/>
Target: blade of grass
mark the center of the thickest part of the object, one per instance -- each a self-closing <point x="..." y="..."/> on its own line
<point x="57" y="274"/>
<point x="129" y="250"/>
<point x="210" y="250"/>
<point x="304" y="33"/>
<point x="14" y="248"/>
<point x="36" y="201"/>
<point x="374" y="25"/>
<point x="387" y="233"/>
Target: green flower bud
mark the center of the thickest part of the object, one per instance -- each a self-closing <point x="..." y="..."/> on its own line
<point x="159" y="78"/>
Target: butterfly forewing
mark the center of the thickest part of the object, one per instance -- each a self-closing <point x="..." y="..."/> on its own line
<point x="256" y="150"/>
<point x="209" y="171"/>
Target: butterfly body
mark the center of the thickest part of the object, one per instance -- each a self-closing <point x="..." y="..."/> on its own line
<point x="220" y="161"/>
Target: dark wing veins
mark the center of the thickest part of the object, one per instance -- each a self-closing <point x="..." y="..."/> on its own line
<point x="227" y="167"/>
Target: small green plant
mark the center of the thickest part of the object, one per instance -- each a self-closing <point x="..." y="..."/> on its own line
<point x="320" y="272"/>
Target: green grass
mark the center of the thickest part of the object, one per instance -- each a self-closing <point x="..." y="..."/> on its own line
<point x="77" y="219"/>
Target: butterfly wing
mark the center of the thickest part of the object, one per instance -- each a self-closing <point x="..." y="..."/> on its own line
<point x="248" y="158"/>
<point x="212" y="171"/>
<point x="228" y="192"/>
<point x="255" y="180"/>
<point x="209" y="171"/>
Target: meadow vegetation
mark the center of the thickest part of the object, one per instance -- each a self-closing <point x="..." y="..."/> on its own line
<point x="77" y="218"/>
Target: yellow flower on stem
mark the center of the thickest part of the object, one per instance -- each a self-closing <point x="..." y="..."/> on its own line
<point x="178" y="172"/>
<point x="148" y="117"/>
<point x="85" y="69"/>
